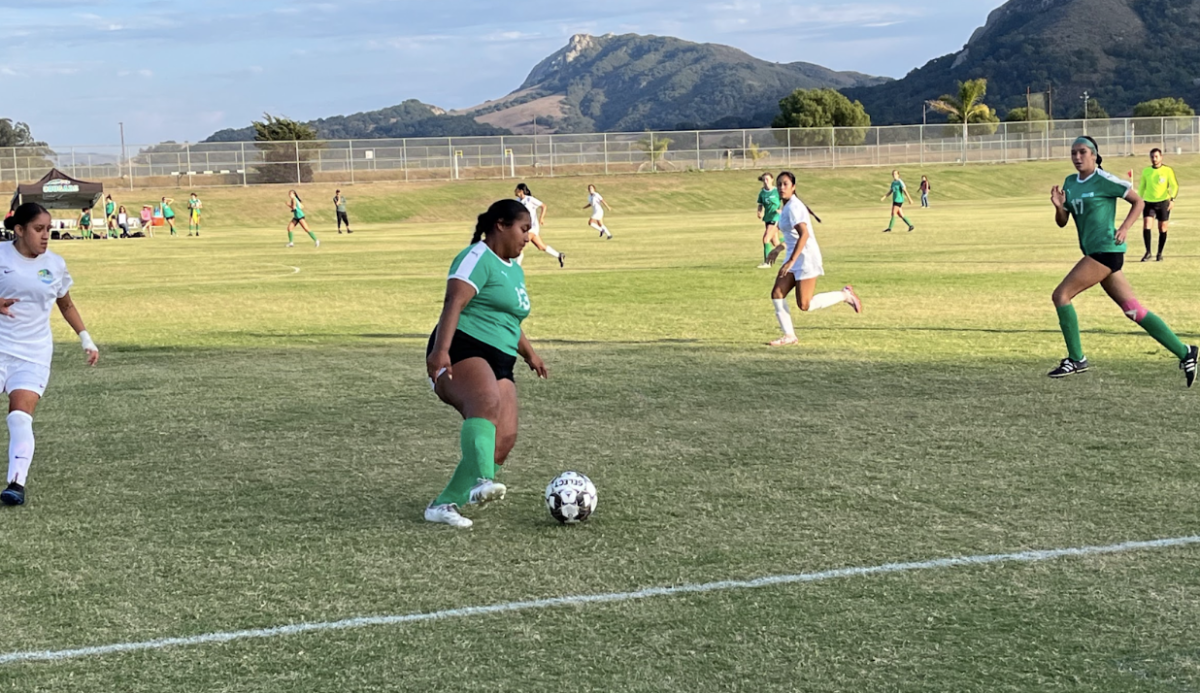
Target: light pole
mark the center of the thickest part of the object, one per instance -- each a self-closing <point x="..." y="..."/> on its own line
<point x="1085" y="98"/>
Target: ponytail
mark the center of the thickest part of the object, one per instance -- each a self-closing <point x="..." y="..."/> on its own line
<point x="525" y="189"/>
<point x="501" y="212"/>
<point x="24" y="215"/>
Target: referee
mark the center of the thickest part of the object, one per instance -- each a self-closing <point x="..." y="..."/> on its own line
<point x="1158" y="188"/>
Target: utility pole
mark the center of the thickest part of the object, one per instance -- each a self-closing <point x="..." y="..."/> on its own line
<point x="1085" y="98"/>
<point x="121" y="159"/>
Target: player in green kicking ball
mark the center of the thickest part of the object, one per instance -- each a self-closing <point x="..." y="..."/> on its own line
<point x="898" y="192"/>
<point x="768" y="212"/>
<point x="1090" y="197"/>
<point x="472" y="352"/>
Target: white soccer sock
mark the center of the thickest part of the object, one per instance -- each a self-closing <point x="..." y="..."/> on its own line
<point x="521" y="258"/>
<point x="784" y="316"/>
<point x="551" y="251"/>
<point x="605" y="230"/>
<point x="20" y="446"/>
<point x="827" y="299"/>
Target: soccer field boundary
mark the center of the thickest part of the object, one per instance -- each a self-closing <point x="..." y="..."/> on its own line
<point x="1032" y="556"/>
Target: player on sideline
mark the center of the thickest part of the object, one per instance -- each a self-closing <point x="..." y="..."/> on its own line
<point x="297" y="208"/>
<point x="898" y="192"/>
<point x="537" y="217"/>
<point x="803" y="265"/>
<point x="339" y="206"/>
<point x="1090" y="197"/>
<point x="110" y="216"/>
<point x="33" y="280"/>
<point x="598" y="205"/>
<point x="168" y="213"/>
<point x="768" y="213"/>
<point x="85" y="223"/>
<point x="1158" y="188"/>
<point x="472" y="351"/>
<point x="194" y="207"/>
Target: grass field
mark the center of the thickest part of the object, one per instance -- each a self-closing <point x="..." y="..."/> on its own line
<point x="257" y="445"/>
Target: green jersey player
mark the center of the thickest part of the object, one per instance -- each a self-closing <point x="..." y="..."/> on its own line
<point x="769" y="205"/>
<point x="898" y="192"/>
<point x="1090" y="198"/>
<point x="471" y="354"/>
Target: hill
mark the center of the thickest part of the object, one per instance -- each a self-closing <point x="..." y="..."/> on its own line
<point x="409" y="119"/>
<point x="1121" y="51"/>
<point x="632" y="82"/>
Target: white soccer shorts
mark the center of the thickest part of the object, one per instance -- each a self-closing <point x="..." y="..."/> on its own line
<point x="19" y="374"/>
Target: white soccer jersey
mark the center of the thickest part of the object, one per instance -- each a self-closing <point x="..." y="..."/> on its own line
<point x="594" y="200"/>
<point x="809" y="261"/>
<point x="533" y="205"/>
<point x="38" y="283"/>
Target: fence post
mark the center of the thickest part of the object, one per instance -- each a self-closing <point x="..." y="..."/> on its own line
<point x="296" y="146"/>
<point x="245" y="167"/>
<point x="404" y="157"/>
<point x="699" y="165"/>
<point x="1004" y="143"/>
<point x="922" y="140"/>
<point x="187" y="150"/>
<point x="16" y="166"/>
<point x="550" y="138"/>
<point x="502" y="176"/>
<point x="744" y="149"/>
<point x="74" y="171"/>
<point x="789" y="146"/>
<point x="833" y="147"/>
<point x="350" y="158"/>
<point x="606" y="153"/>
<point x="129" y="163"/>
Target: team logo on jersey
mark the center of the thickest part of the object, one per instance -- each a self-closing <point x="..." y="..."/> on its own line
<point x="46" y="276"/>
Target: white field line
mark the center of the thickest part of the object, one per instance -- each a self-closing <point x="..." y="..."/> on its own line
<point x="769" y="581"/>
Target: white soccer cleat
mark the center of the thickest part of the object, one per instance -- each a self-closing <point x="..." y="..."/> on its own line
<point x="764" y="265"/>
<point x="318" y="244"/>
<point x="786" y="340"/>
<point x="487" y="491"/>
<point x="446" y="514"/>
<point x="291" y="245"/>
<point x="852" y="298"/>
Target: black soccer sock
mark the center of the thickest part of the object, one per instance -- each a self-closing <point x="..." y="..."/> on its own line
<point x="1146" y="238"/>
<point x="1162" y="242"/>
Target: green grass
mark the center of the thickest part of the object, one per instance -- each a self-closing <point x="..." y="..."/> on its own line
<point x="257" y="445"/>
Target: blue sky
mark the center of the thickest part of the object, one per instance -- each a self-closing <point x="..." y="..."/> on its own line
<point x="174" y="70"/>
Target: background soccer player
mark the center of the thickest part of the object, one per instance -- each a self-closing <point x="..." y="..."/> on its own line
<point x="1090" y="197"/>
<point x="194" y="207"/>
<point x="339" y="206"/>
<point x="898" y="192"/>
<point x="297" y="206"/>
<point x="537" y="217"/>
<point x="1158" y="188"/>
<point x="598" y="205"/>
<point x="33" y="280"/>
<point x="768" y="213"/>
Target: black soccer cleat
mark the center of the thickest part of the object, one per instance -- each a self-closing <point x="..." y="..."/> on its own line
<point x="15" y="494"/>
<point x="1188" y="364"/>
<point x="1146" y="257"/>
<point x="1158" y="258"/>
<point x="1069" y="367"/>
<point x="561" y="258"/>
<point x="910" y="229"/>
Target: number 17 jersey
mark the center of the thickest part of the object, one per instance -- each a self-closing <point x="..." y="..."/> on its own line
<point x="494" y="314"/>
<point x="1092" y="202"/>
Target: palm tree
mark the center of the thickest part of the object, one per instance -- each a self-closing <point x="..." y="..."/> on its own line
<point x="967" y="107"/>
<point x="655" y="149"/>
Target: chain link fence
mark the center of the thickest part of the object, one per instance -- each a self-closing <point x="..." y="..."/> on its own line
<point x="528" y="156"/>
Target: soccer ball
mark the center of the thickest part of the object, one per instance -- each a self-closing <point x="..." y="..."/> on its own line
<point x="571" y="498"/>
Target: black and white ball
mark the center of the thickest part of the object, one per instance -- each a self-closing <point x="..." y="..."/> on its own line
<point x="571" y="498"/>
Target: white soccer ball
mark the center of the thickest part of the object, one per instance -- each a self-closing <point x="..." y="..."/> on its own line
<point x="571" y="498"/>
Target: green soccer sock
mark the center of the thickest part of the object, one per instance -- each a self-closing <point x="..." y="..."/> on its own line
<point x="291" y="237"/>
<point x="478" y="441"/>
<point x="1158" y="329"/>
<point x="312" y="235"/>
<point x="767" y="248"/>
<point x="1068" y="322"/>
<point x="906" y="221"/>
<point x="892" y="222"/>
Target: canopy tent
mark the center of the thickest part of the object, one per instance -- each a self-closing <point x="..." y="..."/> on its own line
<point x="57" y="190"/>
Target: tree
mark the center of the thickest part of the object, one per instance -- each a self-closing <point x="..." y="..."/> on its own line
<point x="29" y="157"/>
<point x="1022" y="114"/>
<point x="655" y="149"/>
<point x="818" y="110"/>
<point x="286" y="159"/>
<point x="1163" y="108"/>
<point x="16" y="135"/>
<point x="1094" y="111"/>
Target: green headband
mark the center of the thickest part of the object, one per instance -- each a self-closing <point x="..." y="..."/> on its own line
<point x="1087" y="143"/>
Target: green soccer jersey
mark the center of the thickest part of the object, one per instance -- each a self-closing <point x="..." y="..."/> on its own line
<point x="1092" y="202"/>
<point x="769" y="199"/>
<point x="494" y="315"/>
<point x="109" y="208"/>
<point x="897" y="192"/>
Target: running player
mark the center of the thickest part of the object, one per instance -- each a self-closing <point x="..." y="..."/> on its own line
<point x="33" y="280"/>
<point x="85" y="223"/>
<point x="803" y="265"/>
<point x="1090" y="197"/>
<point x="472" y="352"/>
<point x="110" y="214"/>
<point x="194" y="207"/>
<point x="768" y="213"/>
<point x="339" y="205"/>
<point x="1158" y="188"/>
<point x="898" y="192"/>
<point x="537" y="217"/>
<point x="297" y="207"/>
<point x="168" y="213"/>
<point x="597" y="205"/>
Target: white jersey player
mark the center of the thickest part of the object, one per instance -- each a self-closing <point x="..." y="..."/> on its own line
<point x="537" y="218"/>
<point x="598" y="205"/>
<point x="32" y="281"/>
<point x="803" y="265"/>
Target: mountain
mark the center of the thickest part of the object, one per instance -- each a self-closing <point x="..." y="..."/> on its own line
<point x="632" y="82"/>
<point x="409" y="119"/>
<point x="1121" y="52"/>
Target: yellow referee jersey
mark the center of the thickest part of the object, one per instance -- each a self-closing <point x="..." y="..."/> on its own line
<point x="1158" y="184"/>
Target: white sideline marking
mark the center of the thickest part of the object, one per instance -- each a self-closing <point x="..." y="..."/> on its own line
<point x="1019" y="557"/>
